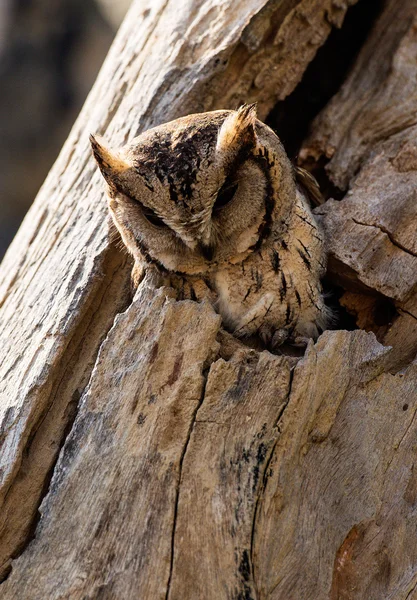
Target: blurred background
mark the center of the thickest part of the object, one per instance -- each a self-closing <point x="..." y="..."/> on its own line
<point x="50" y="54"/>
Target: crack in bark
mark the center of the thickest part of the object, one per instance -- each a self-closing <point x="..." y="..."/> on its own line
<point x="411" y="591"/>
<point x="64" y="367"/>
<point x="389" y="236"/>
<point x="407" y="312"/>
<point x="182" y="457"/>
<point x="264" y="483"/>
<point x="413" y="582"/>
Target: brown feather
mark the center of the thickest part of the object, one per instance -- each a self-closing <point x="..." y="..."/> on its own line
<point x="309" y="183"/>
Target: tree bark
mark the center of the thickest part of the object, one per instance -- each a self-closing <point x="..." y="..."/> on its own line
<point x="145" y="452"/>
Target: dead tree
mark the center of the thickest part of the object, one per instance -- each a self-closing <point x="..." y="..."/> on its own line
<point x="146" y="455"/>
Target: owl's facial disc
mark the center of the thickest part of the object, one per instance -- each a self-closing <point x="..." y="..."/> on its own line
<point x="191" y="194"/>
<point x="199" y="242"/>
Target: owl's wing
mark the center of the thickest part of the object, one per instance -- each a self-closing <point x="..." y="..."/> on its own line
<point x="310" y="185"/>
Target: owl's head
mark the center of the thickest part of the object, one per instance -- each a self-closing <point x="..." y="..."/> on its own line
<point x="198" y="191"/>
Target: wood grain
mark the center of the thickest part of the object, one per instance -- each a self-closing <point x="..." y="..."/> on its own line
<point x="62" y="282"/>
<point x="368" y="131"/>
<point x="191" y="466"/>
<point x="339" y="476"/>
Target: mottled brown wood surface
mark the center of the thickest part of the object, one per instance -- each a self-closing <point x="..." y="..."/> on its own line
<point x="190" y="466"/>
<point x="368" y="134"/>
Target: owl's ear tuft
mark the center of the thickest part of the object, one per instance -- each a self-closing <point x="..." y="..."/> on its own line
<point x="111" y="164"/>
<point x="238" y="131"/>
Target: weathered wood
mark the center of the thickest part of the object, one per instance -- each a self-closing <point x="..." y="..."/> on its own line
<point x="62" y="282"/>
<point x="336" y="514"/>
<point x="368" y="131"/>
<point x="125" y="451"/>
<point x="196" y="467"/>
<point x="377" y="100"/>
<point x="234" y="433"/>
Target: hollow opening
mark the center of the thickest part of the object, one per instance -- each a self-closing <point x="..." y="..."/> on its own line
<point x="358" y="309"/>
<point x="292" y="117"/>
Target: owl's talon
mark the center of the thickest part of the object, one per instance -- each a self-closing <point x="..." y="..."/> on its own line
<point x="266" y="334"/>
<point x="280" y="336"/>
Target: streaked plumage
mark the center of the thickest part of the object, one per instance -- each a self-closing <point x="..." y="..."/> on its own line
<point x="211" y="203"/>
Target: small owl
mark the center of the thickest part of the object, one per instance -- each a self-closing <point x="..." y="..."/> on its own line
<point x="211" y="203"/>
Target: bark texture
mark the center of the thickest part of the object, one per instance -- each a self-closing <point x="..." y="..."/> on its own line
<point x="192" y="466"/>
<point x="368" y="135"/>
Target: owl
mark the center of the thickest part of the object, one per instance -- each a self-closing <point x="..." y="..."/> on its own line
<point x="211" y="203"/>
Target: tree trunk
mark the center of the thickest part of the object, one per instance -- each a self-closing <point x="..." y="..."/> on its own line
<point x="145" y="452"/>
